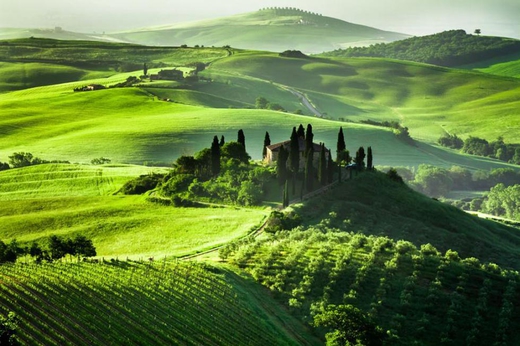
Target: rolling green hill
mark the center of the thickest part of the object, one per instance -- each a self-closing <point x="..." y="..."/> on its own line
<point x="56" y="33"/>
<point x="449" y="48"/>
<point x="417" y="270"/>
<point x="62" y="199"/>
<point x="268" y="29"/>
<point x="377" y="291"/>
<point x="430" y="100"/>
<point x="152" y="303"/>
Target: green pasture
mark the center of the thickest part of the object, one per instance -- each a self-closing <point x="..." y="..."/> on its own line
<point x="430" y="100"/>
<point x="38" y="201"/>
<point x="130" y="125"/>
<point x="507" y="66"/>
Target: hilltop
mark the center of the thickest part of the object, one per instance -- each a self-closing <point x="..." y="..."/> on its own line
<point x="448" y="48"/>
<point x="271" y="29"/>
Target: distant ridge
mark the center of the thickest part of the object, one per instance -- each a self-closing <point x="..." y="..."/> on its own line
<point x="272" y="29"/>
<point x="448" y="48"/>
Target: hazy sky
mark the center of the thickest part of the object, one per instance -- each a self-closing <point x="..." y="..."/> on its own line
<point x="415" y="17"/>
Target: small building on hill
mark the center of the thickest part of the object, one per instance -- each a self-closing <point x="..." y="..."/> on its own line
<point x="274" y="149"/>
<point x="175" y="75"/>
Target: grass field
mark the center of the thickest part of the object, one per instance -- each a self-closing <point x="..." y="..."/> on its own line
<point x="38" y="201"/>
<point x="429" y="100"/>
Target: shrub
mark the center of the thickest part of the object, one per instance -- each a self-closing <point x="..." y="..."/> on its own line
<point x="142" y="184"/>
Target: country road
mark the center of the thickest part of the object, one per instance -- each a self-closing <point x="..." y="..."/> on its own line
<point x="306" y="102"/>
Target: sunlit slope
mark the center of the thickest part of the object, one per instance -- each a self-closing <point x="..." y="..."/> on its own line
<point x="128" y="125"/>
<point x="68" y="200"/>
<point x="428" y="99"/>
<point x="270" y="29"/>
<point x="153" y="303"/>
<point x="508" y="66"/>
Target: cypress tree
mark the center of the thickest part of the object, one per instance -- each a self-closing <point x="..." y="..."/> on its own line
<point x="330" y="168"/>
<point x="360" y="158"/>
<point x="322" y="168"/>
<point x="285" y="199"/>
<point x="309" y="137"/>
<point x="281" y="165"/>
<point x="222" y="141"/>
<point x="309" y="171"/>
<point x="340" y="146"/>
<point x="294" y="152"/>
<point x="215" y="157"/>
<point x="301" y="131"/>
<point x="369" y="158"/>
<point x="267" y="142"/>
<point x="241" y="138"/>
<point x="145" y="69"/>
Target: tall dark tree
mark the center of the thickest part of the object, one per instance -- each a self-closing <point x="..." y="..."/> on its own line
<point x="215" y="157"/>
<point x="267" y="142"/>
<point x="241" y="138"/>
<point x="369" y="158"/>
<point x="340" y="146"/>
<point x="145" y="69"/>
<point x="294" y="152"/>
<point x="322" y="167"/>
<point x="309" y="138"/>
<point x="309" y="171"/>
<point x="222" y="141"/>
<point x="330" y="168"/>
<point x="285" y="199"/>
<point x="360" y="158"/>
<point x="281" y="165"/>
<point x="301" y="131"/>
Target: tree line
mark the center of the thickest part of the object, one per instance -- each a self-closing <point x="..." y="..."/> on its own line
<point x="54" y="248"/>
<point x="223" y="172"/>
<point x="448" y="48"/>
<point x="497" y="149"/>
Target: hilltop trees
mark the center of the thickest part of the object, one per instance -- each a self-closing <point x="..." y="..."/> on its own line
<point x="215" y="157"/>
<point x="281" y="165"/>
<point x="241" y="138"/>
<point x="294" y="152"/>
<point x="267" y="142"/>
<point x="309" y="140"/>
<point x="369" y="158"/>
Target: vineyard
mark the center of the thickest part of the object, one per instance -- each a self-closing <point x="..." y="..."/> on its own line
<point x="411" y="294"/>
<point x="134" y="303"/>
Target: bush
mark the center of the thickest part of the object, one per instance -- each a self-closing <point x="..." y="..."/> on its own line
<point x="142" y="184"/>
<point x="177" y="183"/>
<point x="100" y="161"/>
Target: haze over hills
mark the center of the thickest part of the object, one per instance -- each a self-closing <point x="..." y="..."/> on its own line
<point x="273" y="29"/>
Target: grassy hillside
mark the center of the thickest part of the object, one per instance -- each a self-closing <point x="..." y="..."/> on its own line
<point x="372" y="204"/>
<point x="508" y="66"/>
<point x="267" y="29"/>
<point x="448" y="48"/>
<point x="34" y="62"/>
<point x="38" y="201"/>
<point x="57" y="34"/>
<point x="430" y="100"/>
<point x="375" y="290"/>
<point x="135" y="304"/>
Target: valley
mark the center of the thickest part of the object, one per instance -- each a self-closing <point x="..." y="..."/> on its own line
<point x="203" y="242"/>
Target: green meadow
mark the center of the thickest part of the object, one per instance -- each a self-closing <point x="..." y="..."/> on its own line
<point x="61" y="199"/>
<point x="428" y="99"/>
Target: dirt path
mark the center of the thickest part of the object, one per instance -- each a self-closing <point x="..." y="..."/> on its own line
<point x="260" y="230"/>
<point x="306" y="102"/>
